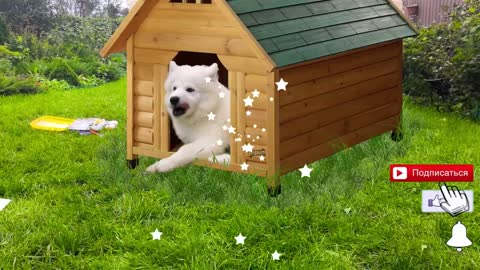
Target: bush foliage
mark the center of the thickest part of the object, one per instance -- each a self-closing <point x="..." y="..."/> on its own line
<point x="66" y="56"/>
<point x="60" y="70"/>
<point x="442" y="64"/>
<point x="12" y="86"/>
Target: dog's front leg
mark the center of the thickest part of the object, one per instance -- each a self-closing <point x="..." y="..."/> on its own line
<point x="184" y="156"/>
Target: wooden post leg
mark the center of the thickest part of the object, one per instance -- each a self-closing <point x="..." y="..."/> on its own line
<point x="133" y="163"/>
<point x="132" y="160"/>
<point x="397" y="135"/>
<point x="274" y="186"/>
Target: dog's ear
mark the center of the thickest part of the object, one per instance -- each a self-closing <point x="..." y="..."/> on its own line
<point x="173" y="66"/>
<point x="213" y="71"/>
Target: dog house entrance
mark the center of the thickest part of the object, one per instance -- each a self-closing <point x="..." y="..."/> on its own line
<point x="193" y="59"/>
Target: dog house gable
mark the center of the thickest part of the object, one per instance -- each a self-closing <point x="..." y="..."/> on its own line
<point x="156" y="32"/>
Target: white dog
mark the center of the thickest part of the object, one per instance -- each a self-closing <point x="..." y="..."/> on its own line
<point x="193" y="97"/>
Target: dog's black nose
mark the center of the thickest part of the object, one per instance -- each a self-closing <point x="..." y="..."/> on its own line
<point x="174" y="100"/>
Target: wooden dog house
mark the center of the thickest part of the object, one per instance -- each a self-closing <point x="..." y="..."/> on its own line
<point x="342" y="60"/>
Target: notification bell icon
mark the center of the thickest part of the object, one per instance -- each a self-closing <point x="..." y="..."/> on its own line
<point x="459" y="237"/>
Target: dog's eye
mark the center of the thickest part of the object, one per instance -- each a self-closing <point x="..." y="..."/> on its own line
<point x="190" y="90"/>
<point x="174" y="88"/>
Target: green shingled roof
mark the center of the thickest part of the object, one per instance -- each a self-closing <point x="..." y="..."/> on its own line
<point x="293" y="31"/>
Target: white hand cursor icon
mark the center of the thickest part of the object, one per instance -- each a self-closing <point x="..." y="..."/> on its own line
<point x="455" y="201"/>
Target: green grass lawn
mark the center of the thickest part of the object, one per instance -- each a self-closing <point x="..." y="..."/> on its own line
<point x="76" y="205"/>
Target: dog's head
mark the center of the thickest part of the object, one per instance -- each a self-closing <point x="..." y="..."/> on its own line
<point x="188" y="93"/>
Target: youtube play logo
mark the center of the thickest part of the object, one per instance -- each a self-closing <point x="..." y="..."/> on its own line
<point x="399" y="173"/>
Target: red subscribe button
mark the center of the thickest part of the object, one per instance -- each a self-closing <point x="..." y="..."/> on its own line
<point x="431" y="173"/>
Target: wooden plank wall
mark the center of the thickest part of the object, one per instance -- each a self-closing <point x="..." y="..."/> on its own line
<point x="339" y="102"/>
<point x="186" y="27"/>
<point x="149" y="117"/>
<point x="245" y="76"/>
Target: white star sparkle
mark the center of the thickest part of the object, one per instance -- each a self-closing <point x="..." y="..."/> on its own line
<point x="276" y="256"/>
<point x="282" y="85"/>
<point x="211" y="116"/>
<point x="305" y="171"/>
<point x="256" y="93"/>
<point x="231" y="130"/>
<point x="156" y="234"/>
<point x="247" y="148"/>
<point x="240" y="239"/>
<point x="244" y="166"/>
<point x="248" y="101"/>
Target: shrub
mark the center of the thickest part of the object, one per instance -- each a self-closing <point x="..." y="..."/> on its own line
<point x="78" y="66"/>
<point x="109" y="72"/>
<point x="60" y="70"/>
<point x="90" y="81"/>
<point x="12" y="86"/>
<point x="52" y="85"/>
<point x="442" y="65"/>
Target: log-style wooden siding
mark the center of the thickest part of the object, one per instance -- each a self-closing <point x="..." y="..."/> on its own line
<point x="339" y="102"/>
<point x="334" y="65"/>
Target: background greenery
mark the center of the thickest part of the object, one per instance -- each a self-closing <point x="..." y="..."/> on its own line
<point x="55" y="44"/>
<point x="442" y="65"/>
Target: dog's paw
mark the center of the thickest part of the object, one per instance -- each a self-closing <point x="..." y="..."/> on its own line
<point x="161" y="166"/>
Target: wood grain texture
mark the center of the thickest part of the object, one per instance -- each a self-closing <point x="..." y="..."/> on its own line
<point x="259" y="82"/>
<point x="337" y="96"/>
<point x="323" y="150"/>
<point x="158" y="79"/>
<point x="130" y="97"/>
<point x="143" y="88"/>
<point x="324" y="117"/>
<point x="150" y="56"/>
<point x="164" y="116"/>
<point x="273" y="128"/>
<point x="337" y="81"/>
<point x="143" y="71"/>
<point x="337" y="129"/>
<point x="251" y="65"/>
<point x="257" y="117"/>
<point x="341" y="63"/>
<point x="240" y="107"/>
<point x="144" y="119"/>
<point x="143" y="104"/>
<point x="193" y="43"/>
<point x="143" y="135"/>
<point x="232" y="84"/>
<point x="188" y="26"/>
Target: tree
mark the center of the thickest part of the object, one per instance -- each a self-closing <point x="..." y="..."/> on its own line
<point x="27" y="15"/>
<point x="3" y="31"/>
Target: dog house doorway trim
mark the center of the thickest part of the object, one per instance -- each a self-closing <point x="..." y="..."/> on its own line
<point x="161" y="129"/>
